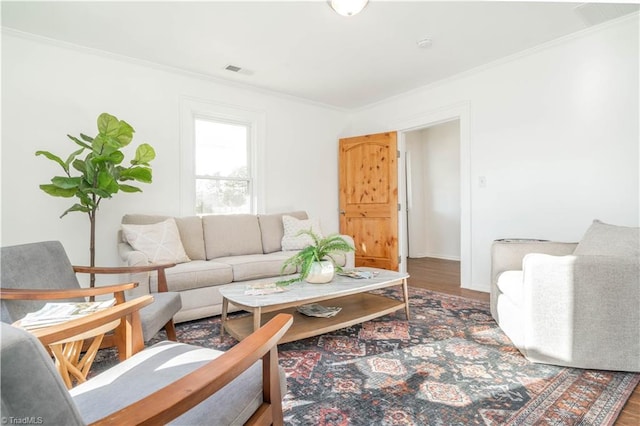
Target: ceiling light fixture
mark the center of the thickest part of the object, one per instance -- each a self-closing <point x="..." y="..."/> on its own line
<point x="424" y="43"/>
<point x="348" y="7"/>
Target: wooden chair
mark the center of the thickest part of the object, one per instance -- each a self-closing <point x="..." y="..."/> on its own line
<point x="165" y="382"/>
<point x="33" y="273"/>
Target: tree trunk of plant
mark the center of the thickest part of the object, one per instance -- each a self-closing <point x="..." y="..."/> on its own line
<point x="92" y="250"/>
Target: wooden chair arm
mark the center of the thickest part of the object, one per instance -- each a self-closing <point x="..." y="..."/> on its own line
<point x="162" y="277"/>
<point x="121" y="269"/>
<point x="175" y="399"/>
<point x="44" y="294"/>
<point x="69" y="329"/>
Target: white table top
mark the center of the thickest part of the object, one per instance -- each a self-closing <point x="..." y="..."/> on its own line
<point x="301" y="290"/>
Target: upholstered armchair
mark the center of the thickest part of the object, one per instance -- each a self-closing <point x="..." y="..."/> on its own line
<point x="571" y="304"/>
<point x="31" y="274"/>
<point x="165" y="382"/>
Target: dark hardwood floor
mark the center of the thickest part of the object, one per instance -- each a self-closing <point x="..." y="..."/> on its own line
<point x="444" y="276"/>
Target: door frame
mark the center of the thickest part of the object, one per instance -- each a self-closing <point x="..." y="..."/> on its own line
<point x="458" y="111"/>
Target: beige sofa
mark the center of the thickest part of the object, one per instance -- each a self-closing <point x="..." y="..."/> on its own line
<point x="571" y="304"/>
<point x="221" y="249"/>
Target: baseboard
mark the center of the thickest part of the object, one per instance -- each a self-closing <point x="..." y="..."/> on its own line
<point x="435" y="256"/>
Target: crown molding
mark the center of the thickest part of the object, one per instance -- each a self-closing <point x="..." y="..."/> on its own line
<point x="165" y="68"/>
<point x="513" y="57"/>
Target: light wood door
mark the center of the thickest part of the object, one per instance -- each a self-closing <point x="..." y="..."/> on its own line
<point x="369" y="198"/>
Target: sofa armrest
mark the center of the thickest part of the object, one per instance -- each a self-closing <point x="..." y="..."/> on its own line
<point x="507" y="255"/>
<point x="132" y="257"/>
<point x="573" y="305"/>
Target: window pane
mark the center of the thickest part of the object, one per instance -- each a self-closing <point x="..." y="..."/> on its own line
<point x="222" y="196"/>
<point x="221" y="149"/>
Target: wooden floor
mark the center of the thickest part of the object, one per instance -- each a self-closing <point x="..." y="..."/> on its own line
<point x="444" y="276"/>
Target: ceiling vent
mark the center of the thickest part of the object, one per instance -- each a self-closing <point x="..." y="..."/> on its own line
<point x="238" y="70"/>
<point x="597" y="13"/>
<point x="232" y="68"/>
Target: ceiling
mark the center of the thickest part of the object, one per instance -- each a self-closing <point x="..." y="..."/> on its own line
<point x="303" y="48"/>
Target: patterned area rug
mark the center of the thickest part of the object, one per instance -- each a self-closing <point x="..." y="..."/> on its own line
<point x="449" y="365"/>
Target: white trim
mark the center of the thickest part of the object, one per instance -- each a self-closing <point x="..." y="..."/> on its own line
<point x="165" y="68"/>
<point x="498" y="62"/>
<point x="191" y="108"/>
<point x="459" y="111"/>
<point x="436" y="256"/>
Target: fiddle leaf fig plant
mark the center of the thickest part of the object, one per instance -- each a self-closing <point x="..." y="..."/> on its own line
<point x="96" y="170"/>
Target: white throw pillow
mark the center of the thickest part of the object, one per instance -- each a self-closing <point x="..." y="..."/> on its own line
<point x="159" y="241"/>
<point x="291" y="240"/>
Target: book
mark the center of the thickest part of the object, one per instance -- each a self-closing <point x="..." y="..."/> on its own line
<point x="358" y="274"/>
<point x="58" y="312"/>
<point x="315" y="310"/>
<point x="260" y="289"/>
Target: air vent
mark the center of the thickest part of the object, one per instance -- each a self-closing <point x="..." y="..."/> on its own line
<point x="232" y="68"/>
<point x="238" y="70"/>
<point x="597" y="13"/>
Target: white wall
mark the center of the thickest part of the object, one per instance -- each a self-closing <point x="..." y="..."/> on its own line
<point x="434" y="205"/>
<point x="49" y="91"/>
<point x="554" y="131"/>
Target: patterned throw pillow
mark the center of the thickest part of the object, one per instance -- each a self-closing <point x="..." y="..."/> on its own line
<point x="291" y="240"/>
<point x="159" y="241"/>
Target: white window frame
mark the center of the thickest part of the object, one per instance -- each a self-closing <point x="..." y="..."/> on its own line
<point x="192" y="109"/>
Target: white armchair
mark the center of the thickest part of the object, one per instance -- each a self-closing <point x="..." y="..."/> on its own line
<point x="570" y="304"/>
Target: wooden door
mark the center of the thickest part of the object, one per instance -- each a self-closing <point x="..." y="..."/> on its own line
<point x="369" y="198"/>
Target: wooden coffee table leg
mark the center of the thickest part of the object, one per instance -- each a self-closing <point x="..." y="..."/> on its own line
<point x="257" y="313"/>
<point x="405" y="291"/>
<point x="223" y="314"/>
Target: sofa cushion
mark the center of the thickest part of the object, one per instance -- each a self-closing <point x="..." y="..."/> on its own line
<point x="609" y="240"/>
<point x="231" y="235"/>
<point x="272" y="230"/>
<point x="159" y="241"/>
<point x="291" y="240"/>
<point x="196" y="274"/>
<point x="190" y="229"/>
<point x="250" y="267"/>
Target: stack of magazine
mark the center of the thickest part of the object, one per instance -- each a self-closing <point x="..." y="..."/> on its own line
<point x="315" y="310"/>
<point x="358" y="274"/>
<point x="57" y="313"/>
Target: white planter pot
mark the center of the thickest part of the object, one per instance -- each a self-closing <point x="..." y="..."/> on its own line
<point x="321" y="272"/>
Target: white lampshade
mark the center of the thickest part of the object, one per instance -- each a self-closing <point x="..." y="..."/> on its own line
<point x="348" y="7"/>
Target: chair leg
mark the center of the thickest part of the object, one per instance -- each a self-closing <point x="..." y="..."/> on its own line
<point x="170" y="328"/>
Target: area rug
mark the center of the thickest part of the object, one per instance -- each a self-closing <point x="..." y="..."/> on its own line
<point x="449" y="365"/>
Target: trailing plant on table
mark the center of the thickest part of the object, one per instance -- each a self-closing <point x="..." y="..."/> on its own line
<point x="99" y="174"/>
<point x="321" y="249"/>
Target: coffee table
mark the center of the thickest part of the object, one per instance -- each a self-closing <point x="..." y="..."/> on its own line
<point x="350" y="294"/>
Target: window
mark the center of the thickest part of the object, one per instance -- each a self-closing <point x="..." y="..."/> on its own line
<point x="222" y="168"/>
<point x="222" y="156"/>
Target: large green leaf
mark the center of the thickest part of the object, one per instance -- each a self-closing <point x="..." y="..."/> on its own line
<point x="108" y="125"/>
<point x="120" y="130"/>
<point x="139" y="173"/>
<point x="58" y="192"/>
<point x="144" y="154"/>
<point x="72" y="156"/>
<point x="66" y="182"/>
<point x="76" y="208"/>
<point x="79" y="142"/>
<point x="107" y="183"/>
<point x="129" y="188"/>
<point x="104" y="146"/>
<point x="55" y="158"/>
<point x="116" y="157"/>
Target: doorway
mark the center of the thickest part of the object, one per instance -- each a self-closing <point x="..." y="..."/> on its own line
<point x="432" y="176"/>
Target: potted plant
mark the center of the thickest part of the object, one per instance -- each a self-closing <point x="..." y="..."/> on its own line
<point x="100" y="174"/>
<point x="316" y="262"/>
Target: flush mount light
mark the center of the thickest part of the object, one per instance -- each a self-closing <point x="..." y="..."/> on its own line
<point x="424" y="43"/>
<point x="348" y="7"/>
